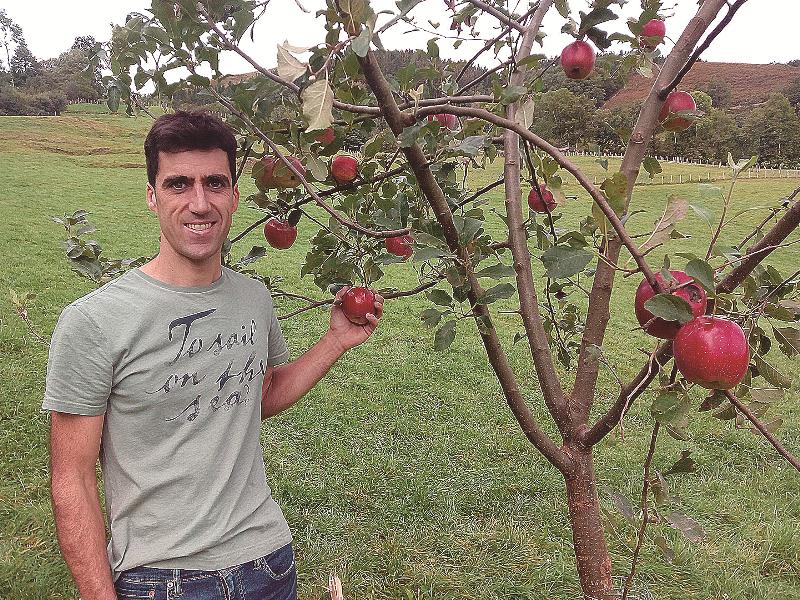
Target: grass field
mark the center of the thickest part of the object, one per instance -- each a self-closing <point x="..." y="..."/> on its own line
<point x="404" y="471"/>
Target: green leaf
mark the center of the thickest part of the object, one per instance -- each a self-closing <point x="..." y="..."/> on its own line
<point x="789" y="340"/>
<point x="690" y="528"/>
<point x="360" y="45"/>
<point x="652" y="166"/>
<point x="317" y="101"/>
<point x="467" y="228"/>
<point x="431" y="317"/>
<point x="670" y="308"/>
<point x="498" y="292"/>
<point x="408" y="137"/>
<point x="615" y="188"/>
<point x="498" y="271"/>
<point x="565" y="261"/>
<point x="444" y="336"/>
<point x="704" y="213"/>
<point x="702" y="273"/>
<point x="671" y="408"/>
<point x="255" y="253"/>
<point x="472" y="145"/>
<point x="685" y="464"/>
<point x="289" y="66"/>
<point x="770" y="373"/>
<point x="440" y="297"/>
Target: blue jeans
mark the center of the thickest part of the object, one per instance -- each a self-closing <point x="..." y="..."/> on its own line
<point x="272" y="577"/>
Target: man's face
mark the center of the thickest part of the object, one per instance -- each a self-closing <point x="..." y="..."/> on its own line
<point x="195" y="199"/>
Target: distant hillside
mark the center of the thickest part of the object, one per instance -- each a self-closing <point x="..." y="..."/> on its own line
<point x="749" y="85"/>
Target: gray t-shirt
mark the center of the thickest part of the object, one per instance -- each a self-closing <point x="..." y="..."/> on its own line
<point x="178" y="373"/>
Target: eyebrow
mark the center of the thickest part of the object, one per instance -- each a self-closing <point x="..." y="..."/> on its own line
<point x="172" y="179"/>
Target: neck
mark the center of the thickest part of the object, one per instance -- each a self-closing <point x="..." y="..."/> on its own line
<point x="183" y="272"/>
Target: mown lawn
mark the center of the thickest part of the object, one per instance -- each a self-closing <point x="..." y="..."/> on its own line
<point x="404" y="471"/>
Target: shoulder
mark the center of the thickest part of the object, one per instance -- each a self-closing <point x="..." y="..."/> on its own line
<point x="245" y="284"/>
<point x="105" y="301"/>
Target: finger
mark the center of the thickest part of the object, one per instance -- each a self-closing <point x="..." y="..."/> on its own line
<point x="337" y="299"/>
<point x="378" y="309"/>
<point x="372" y="320"/>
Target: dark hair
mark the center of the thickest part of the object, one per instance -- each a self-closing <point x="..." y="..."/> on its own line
<point x="181" y="131"/>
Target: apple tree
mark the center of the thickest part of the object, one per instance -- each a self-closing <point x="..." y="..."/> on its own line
<point x="406" y="196"/>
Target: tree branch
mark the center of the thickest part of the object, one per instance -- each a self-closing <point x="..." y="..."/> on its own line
<point x="430" y="187"/>
<point x="518" y="241"/>
<point x="763" y="429"/>
<point x="343" y="220"/>
<point x="780" y="231"/>
<point x="732" y="8"/>
<point x="599" y="314"/>
<point x="498" y="14"/>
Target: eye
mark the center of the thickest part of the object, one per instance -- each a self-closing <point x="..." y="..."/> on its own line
<point x="178" y="185"/>
<point x="216" y="184"/>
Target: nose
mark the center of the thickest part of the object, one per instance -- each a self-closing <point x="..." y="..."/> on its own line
<point x="199" y="203"/>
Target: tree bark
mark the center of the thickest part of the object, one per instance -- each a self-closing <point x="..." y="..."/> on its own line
<point x="588" y="536"/>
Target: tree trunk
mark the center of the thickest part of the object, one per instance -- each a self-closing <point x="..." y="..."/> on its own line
<point x="591" y="552"/>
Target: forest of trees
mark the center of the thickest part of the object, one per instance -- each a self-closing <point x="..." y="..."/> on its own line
<point x="29" y="86"/>
<point x="569" y="113"/>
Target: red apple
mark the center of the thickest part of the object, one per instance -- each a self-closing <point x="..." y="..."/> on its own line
<point x="400" y="245"/>
<point x="577" y="60"/>
<point x="326" y="137"/>
<point x="280" y="234"/>
<point x="275" y="174"/>
<point x="445" y="120"/>
<point x="356" y="303"/>
<point x="653" y="33"/>
<point x="692" y="293"/>
<point x="677" y="102"/>
<point x="535" y="203"/>
<point x="712" y="352"/>
<point x="344" y="169"/>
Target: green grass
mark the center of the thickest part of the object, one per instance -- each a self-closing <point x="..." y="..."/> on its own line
<point x="404" y="471"/>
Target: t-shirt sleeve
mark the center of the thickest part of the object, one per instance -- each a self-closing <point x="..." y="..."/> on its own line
<point x="79" y="369"/>
<point x="278" y="351"/>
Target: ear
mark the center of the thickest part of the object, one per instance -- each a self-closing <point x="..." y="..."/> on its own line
<point x="151" y="198"/>
<point x="235" y="196"/>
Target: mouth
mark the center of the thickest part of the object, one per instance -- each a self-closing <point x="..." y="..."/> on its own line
<point x="199" y="227"/>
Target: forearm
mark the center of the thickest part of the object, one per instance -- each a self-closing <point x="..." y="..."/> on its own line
<point x="292" y="381"/>
<point x="82" y="536"/>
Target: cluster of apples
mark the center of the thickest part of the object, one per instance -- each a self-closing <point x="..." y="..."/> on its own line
<point x="710" y="351"/>
<point x="578" y="58"/>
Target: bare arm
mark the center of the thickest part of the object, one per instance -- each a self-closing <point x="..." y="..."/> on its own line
<point x="286" y="384"/>
<point x="74" y="448"/>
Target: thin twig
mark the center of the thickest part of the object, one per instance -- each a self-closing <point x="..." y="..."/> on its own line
<point x="732" y="8"/>
<point x="645" y="491"/>
<point x="763" y="429"/>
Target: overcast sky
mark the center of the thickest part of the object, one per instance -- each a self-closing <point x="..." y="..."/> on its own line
<point x="762" y="31"/>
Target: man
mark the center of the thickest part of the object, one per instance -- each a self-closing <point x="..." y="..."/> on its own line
<point x="165" y="374"/>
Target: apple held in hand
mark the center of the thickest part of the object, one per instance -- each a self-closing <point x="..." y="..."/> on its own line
<point x="399" y="245"/>
<point x="677" y="102"/>
<point x="577" y="60"/>
<point x="344" y="169"/>
<point x="692" y="293"/>
<point x="712" y="352"/>
<point x="272" y="172"/>
<point x="653" y="33"/>
<point x="545" y="204"/>
<point x="280" y="234"/>
<point x="445" y="120"/>
<point x="357" y="302"/>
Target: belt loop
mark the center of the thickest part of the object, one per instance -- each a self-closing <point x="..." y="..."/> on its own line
<point x="177" y="576"/>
